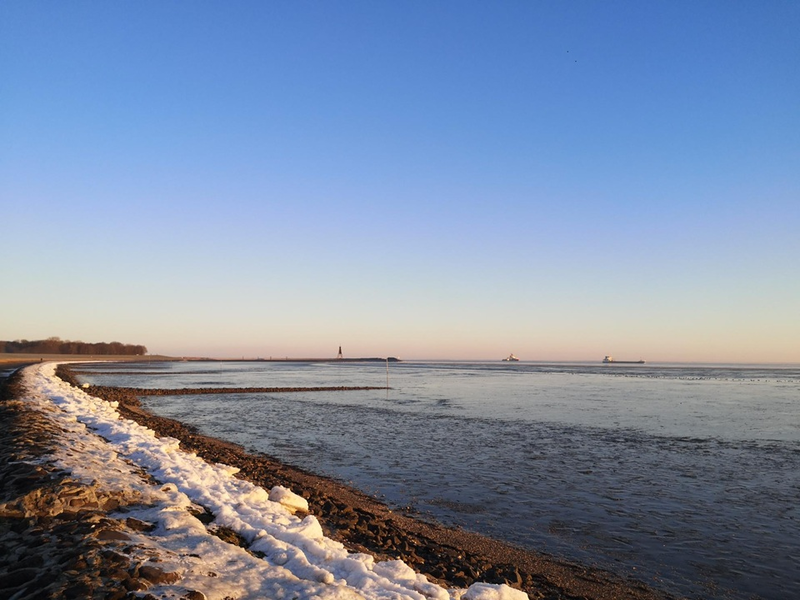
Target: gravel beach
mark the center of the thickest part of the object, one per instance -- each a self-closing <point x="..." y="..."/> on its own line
<point x="60" y="538"/>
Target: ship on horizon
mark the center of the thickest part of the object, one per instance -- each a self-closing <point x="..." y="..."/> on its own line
<point x="610" y="359"/>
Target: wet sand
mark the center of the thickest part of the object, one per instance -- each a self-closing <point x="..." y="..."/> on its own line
<point x="451" y="557"/>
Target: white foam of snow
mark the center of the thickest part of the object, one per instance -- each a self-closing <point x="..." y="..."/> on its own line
<point x="299" y="561"/>
<point x="288" y="498"/>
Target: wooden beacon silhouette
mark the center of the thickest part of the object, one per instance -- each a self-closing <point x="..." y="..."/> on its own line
<point x="340" y="353"/>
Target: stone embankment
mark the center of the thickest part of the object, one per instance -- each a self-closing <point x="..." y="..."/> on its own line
<point x="60" y="538"/>
<point x="129" y="392"/>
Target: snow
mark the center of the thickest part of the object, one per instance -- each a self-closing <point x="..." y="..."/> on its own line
<point x="299" y="561"/>
<point x="288" y="498"/>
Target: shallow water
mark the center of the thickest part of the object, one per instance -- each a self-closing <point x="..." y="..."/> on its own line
<point x="686" y="477"/>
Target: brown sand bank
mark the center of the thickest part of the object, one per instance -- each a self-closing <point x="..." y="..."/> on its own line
<point x="452" y="557"/>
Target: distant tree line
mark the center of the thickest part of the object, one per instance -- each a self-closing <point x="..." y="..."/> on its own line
<point x="55" y="345"/>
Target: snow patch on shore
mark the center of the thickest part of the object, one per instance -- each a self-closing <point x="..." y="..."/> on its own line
<point x="299" y="561"/>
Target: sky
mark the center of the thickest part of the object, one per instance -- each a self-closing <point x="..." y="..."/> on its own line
<point x="429" y="180"/>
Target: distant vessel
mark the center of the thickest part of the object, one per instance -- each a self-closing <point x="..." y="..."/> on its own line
<point x="610" y="359"/>
<point x="511" y="358"/>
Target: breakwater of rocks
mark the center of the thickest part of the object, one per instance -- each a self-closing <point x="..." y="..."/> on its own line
<point x="60" y="538"/>
<point x="130" y="392"/>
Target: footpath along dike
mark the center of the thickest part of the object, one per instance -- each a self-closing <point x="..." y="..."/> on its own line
<point x="60" y="538"/>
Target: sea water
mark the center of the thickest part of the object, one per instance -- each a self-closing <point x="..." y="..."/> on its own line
<point x="686" y="477"/>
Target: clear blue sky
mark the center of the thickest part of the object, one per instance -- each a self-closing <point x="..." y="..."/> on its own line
<point x="561" y="180"/>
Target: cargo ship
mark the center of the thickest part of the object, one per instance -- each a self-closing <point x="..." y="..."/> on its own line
<point x="610" y="359"/>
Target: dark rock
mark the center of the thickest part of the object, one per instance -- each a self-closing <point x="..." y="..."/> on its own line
<point x="112" y="558"/>
<point x="119" y="575"/>
<point x="111" y="534"/>
<point x="229" y="535"/>
<point x="135" y="585"/>
<point x="30" y="561"/>
<point x="138" y="525"/>
<point x="19" y="577"/>
<point x="157" y="575"/>
<point x="205" y="516"/>
<point x="79" y="590"/>
<point x="110" y="504"/>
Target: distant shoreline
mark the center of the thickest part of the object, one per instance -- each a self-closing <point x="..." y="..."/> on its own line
<point x="12" y="358"/>
<point x="300" y="360"/>
<point x="22" y="358"/>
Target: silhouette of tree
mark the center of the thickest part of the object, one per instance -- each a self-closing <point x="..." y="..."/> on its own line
<point x="55" y="345"/>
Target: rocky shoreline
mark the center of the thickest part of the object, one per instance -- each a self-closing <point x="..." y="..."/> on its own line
<point x="68" y="539"/>
<point x="56" y="538"/>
